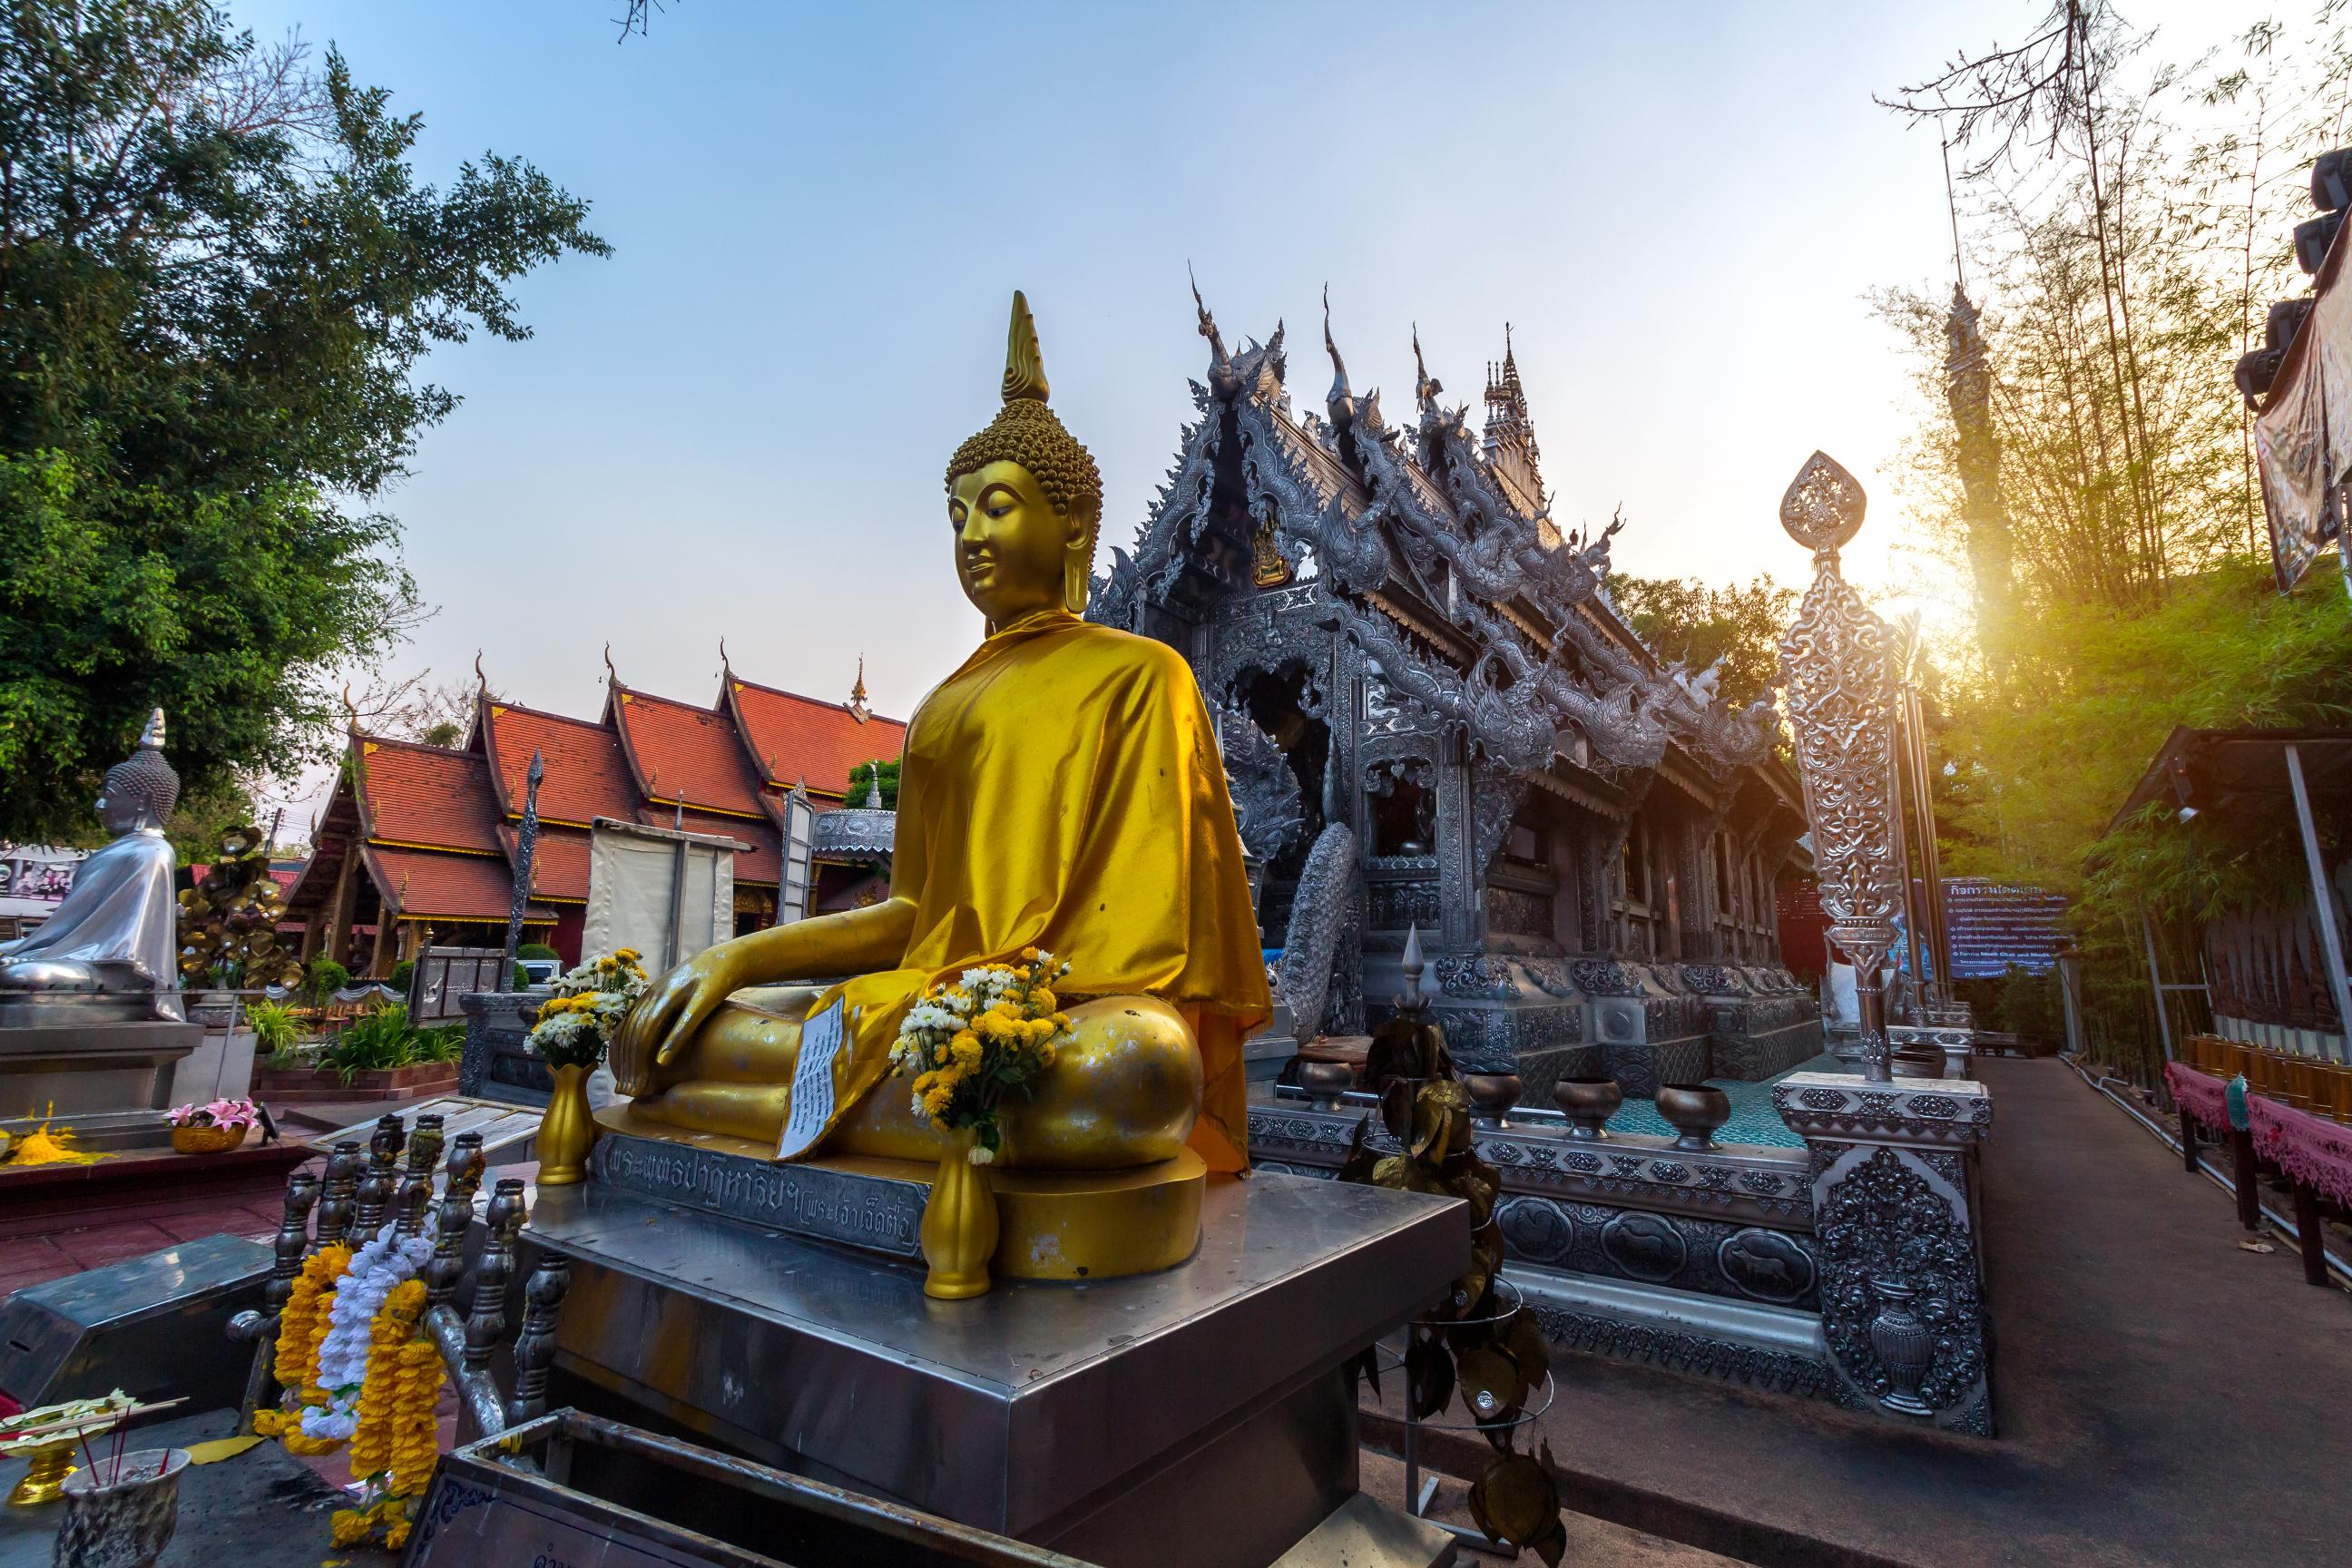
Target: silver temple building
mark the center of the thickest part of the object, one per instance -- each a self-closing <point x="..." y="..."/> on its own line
<point x="1433" y="716"/>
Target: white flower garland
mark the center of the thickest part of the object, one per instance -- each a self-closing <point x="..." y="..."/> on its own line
<point x="375" y="1269"/>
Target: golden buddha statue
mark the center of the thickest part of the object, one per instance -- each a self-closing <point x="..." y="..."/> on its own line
<point x="1062" y="790"/>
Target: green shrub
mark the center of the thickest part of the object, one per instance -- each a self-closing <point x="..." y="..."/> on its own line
<point x="274" y="1028"/>
<point x="538" y="949"/>
<point x="382" y="1038"/>
<point x="521" y="981"/>
<point x="401" y="973"/>
<point x="441" y="1043"/>
<point x="321" y="977"/>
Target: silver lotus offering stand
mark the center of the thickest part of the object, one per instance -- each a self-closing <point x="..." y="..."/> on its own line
<point x="760" y="1310"/>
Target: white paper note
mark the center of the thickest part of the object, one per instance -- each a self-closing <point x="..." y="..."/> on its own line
<point x="821" y="1041"/>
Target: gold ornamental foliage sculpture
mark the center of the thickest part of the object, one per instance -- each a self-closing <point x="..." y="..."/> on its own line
<point x="228" y="921"/>
<point x="1476" y="1343"/>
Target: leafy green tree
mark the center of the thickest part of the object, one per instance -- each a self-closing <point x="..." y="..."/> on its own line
<point x="217" y="275"/>
<point x="1685" y="621"/>
<point x="2122" y="261"/>
<point x="861" y="782"/>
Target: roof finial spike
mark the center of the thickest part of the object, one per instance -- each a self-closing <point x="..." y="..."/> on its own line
<point x="1222" y="379"/>
<point x="1952" y="206"/>
<point x="351" y="710"/>
<point x="612" y="676"/>
<point x="1425" y="387"/>
<point x="858" y="706"/>
<point x="874" y="785"/>
<point x="1341" y="402"/>
<point x="481" y="681"/>
<point x="724" y="667"/>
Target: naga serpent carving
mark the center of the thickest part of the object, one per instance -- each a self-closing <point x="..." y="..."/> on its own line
<point x="1327" y="885"/>
<point x="1517" y="735"/>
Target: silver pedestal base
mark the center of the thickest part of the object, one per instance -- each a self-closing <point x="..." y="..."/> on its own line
<point x="1205" y="1404"/>
<point x="95" y="1065"/>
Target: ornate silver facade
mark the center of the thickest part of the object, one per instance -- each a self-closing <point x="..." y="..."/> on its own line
<point x="1388" y="614"/>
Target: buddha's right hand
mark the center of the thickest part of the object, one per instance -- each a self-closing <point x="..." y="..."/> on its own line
<point x="659" y="1029"/>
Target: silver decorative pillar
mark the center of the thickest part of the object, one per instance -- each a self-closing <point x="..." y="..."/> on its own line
<point x="1894" y="1221"/>
<point x="1838" y="660"/>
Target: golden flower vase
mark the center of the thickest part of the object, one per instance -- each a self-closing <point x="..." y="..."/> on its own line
<point x="45" y="1477"/>
<point x="568" y="1131"/>
<point x="958" y="1230"/>
<point x="206" y="1140"/>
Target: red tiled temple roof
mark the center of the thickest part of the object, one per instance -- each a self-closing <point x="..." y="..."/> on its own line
<point x="559" y="866"/>
<point x="426" y="797"/>
<point x="423" y="884"/>
<point x="587" y="776"/>
<point x="792" y="738"/>
<point x="763" y="862"/>
<point x="674" y="749"/>
<point x="438" y="823"/>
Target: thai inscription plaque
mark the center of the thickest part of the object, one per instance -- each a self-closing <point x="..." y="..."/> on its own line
<point x="854" y="1208"/>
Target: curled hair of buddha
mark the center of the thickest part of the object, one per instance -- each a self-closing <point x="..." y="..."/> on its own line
<point x="146" y="779"/>
<point x="1026" y="432"/>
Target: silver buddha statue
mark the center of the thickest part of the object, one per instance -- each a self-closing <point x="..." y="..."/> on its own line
<point x="109" y="951"/>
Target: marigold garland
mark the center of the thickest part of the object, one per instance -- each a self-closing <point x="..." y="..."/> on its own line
<point x="398" y="1435"/>
<point x="301" y="1328"/>
<point x="395" y="1433"/>
<point x="296" y="1365"/>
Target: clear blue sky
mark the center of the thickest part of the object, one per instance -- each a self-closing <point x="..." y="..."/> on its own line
<point x="736" y="425"/>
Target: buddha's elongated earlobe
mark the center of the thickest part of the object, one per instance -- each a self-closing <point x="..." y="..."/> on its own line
<point x="1078" y="565"/>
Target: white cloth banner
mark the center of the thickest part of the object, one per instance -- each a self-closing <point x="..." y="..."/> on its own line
<point x="2303" y="438"/>
<point x="632" y="892"/>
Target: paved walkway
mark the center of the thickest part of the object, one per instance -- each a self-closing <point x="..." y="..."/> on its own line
<point x="36" y="1251"/>
<point x="2163" y="1396"/>
<point x="93" y="1241"/>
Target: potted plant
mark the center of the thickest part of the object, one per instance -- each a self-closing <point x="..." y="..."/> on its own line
<point x="380" y="1056"/>
<point x="574" y="1027"/>
<point x="212" y="1129"/>
<point x="274" y="1028"/>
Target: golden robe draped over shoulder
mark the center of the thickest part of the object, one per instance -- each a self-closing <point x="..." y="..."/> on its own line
<point x="1063" y="788"/>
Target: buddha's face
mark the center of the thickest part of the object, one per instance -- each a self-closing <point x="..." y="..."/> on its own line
<point x="118" y="813"/>
<point x="1013" y="549"/>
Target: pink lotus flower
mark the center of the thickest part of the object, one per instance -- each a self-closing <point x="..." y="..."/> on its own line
<point x="219" y="1113"/>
